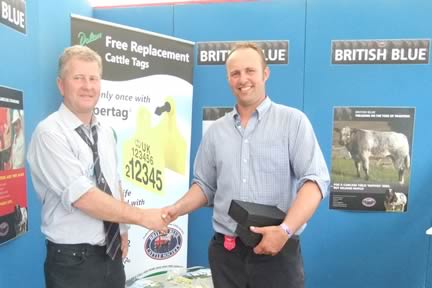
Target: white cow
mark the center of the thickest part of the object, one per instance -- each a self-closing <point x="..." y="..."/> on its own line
<point x="394" y="201"/>
<point x="362" y="144"/>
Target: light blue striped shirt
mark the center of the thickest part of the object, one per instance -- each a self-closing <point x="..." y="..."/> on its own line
<point x="61" y="165"/>
<point x="266" y="162"/>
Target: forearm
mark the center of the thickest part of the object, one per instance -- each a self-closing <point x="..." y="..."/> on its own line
<point x="100" y="205"/>
<point x="304" y="206"/>
<point x="192" y="200"/>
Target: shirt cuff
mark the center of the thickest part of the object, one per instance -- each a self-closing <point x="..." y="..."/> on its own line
<point x="206" y="190"/>
<point x="75" y="191"/>
<point x="323" y="185"/>
<point x="124" y="228"/>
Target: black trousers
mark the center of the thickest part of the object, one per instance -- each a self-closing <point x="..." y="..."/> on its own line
<point x="242" y="268"/>
<point x="83" y="266"/>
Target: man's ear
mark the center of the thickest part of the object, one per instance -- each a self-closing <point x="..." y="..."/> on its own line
<point x="266" y="73"/>
<point x="60" y="85"/>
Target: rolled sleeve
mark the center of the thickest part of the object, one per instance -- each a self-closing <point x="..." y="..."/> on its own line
<point x="205" y="170"/>
<point x="323" y="184"/>
<point x="309" y="163"/>
<point x="54" y="162"/>
<point x="74" y="191"/>
<point x="208" y="192"/>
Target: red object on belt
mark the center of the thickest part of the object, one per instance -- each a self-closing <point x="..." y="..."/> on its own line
<point x="229" y="242"/>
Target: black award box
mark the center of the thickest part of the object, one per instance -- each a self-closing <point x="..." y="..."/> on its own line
<point x="248" y="214"/>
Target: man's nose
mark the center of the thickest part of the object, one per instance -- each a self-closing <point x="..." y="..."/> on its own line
<point x="85" y="83"/>
<point x="243" y="77"/>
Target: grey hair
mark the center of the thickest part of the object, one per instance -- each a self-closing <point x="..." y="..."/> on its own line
<point x="82" y="53"/>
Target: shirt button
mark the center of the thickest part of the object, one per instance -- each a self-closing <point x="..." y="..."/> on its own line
<point x="244" y="180"/>
<point x="246" y="141"/>
<point x="245" y="160"/>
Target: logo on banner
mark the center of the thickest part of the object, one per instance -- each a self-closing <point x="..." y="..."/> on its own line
<point x="4" y="229"/>
<point x="215" y="53"/>
<point x="368" y="202"/>
<point x="401" y="51"/>
<point x="85" y="39"/>
<point x="160" y="246"/>
<point x="13" y="14"/>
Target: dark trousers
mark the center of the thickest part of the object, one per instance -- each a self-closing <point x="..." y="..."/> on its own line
<point x="83" y="266"/>
<point x="242" y="268"/>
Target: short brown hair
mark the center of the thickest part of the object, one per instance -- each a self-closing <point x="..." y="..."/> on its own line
<point x="81" y="52"/>
<point x="248" y="45"/>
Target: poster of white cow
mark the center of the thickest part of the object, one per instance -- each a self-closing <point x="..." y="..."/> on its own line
<point x="371" y="158"/>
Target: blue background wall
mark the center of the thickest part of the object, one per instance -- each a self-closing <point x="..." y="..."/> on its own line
<point x="19" y="62"/>
<point x="29" y="63"/>
<point x="369" y="249"/>
<point x="341" y="249"/>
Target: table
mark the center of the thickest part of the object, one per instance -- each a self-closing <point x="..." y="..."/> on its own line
<point x="194" y="277"/>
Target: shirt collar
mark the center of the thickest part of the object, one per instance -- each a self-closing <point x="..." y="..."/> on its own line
<point x="260" y="110"/>
<point x="71" y="120"/>
<point x="263" y="107"/>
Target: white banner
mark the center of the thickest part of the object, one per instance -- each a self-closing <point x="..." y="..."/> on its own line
<point x="146" y="97"/>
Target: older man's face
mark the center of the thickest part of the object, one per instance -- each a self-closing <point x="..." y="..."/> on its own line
<point x="80" y="86"/>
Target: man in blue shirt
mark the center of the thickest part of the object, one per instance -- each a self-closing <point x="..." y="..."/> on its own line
<point x="261" y="152"/>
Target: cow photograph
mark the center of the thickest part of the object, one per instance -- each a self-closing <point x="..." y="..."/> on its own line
<point x="369" y="147"/>
<point x="366" y="151"/>
<point x="371" y="155"/>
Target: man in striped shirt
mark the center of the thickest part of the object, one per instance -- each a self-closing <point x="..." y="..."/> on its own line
<point x="261" y="152"/>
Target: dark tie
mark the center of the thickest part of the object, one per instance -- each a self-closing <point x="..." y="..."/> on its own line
<point x="112" y="230"/>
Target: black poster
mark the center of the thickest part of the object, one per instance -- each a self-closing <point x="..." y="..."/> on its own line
<point x="402" y="51"/>
<point x="13" y="14"/>
<point x="215" y="53"/>
<point x="371" y="158"/>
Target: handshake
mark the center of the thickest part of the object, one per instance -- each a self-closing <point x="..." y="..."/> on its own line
<point x="158" y="218"/>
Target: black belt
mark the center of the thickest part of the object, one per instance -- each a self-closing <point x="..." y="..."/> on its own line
<point x="73" y="249"/>
<point x="220" y="236"/>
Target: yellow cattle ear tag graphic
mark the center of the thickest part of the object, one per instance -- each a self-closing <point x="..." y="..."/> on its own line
<point x="173" y="142"/>
<point x="143" y="155"/>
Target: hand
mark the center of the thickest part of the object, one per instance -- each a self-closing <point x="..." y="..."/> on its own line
<point x="274" y="238"/>
<point x="124" y="244"/>
<point x="152" y="219"/>
<point x="170" y="213"/>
